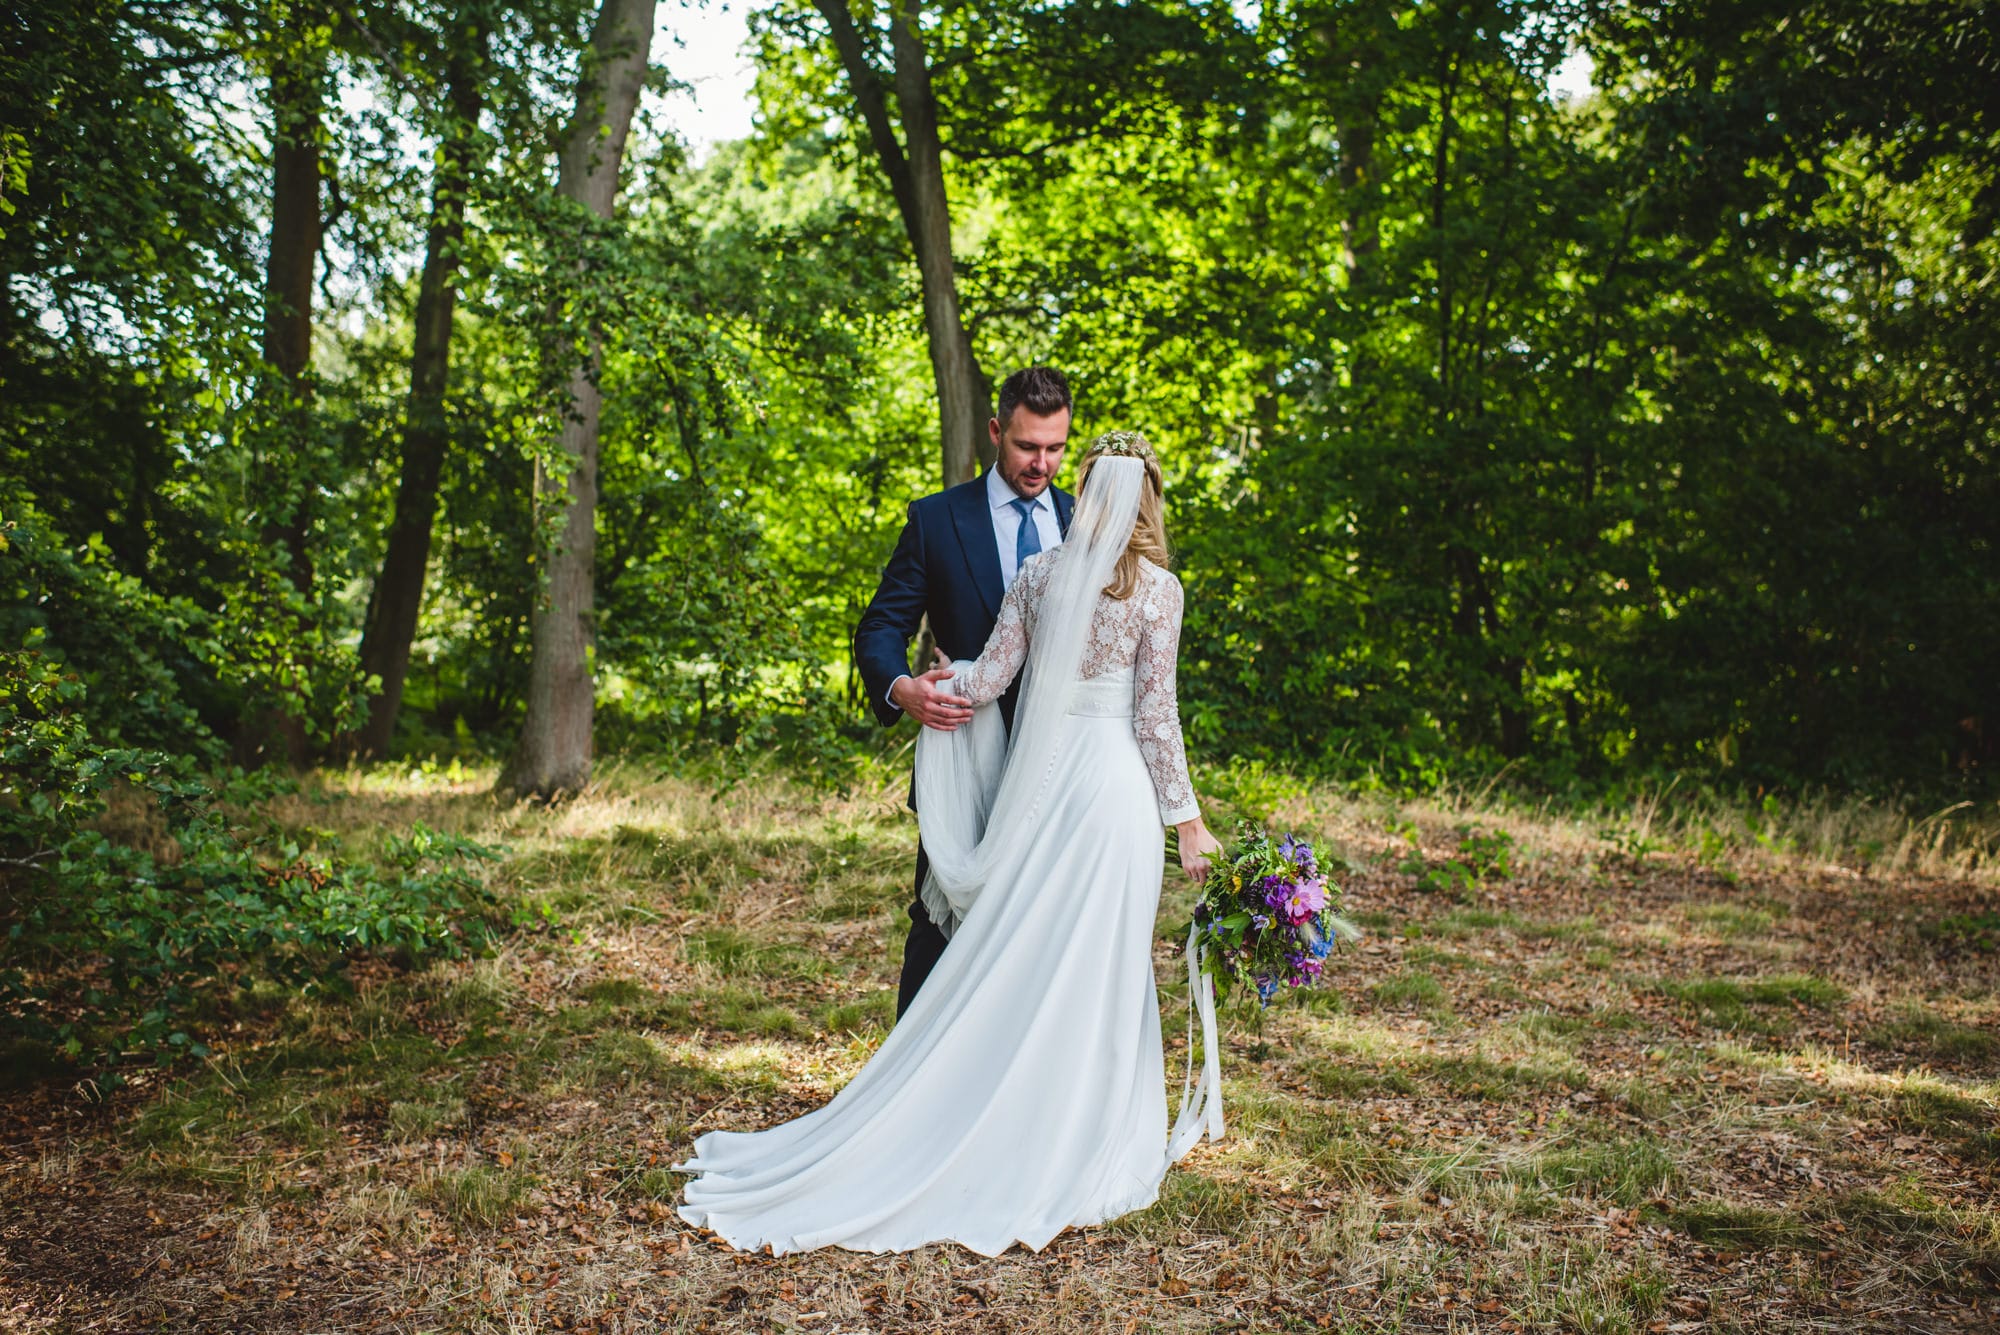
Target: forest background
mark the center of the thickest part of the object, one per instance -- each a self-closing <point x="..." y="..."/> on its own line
<point x="366" y="390"/>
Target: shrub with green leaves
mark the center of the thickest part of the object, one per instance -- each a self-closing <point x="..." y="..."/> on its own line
<point x="1483" y="857"/>
<point x="127" y="891"/>
<point x="169" y="671"/>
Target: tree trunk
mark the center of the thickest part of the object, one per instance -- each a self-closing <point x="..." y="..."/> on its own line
<point x="399" y="591"/>
<point x="555" y="750"/>
<point x="1516" y="735"/>
<point x="1440" y="176"/>
<point x="288" y="291"/>
<point x="915" y="168"/>
<point x="288" y="284"/>
<point x="962" y="403"/>
<point x="1360" y="224"/>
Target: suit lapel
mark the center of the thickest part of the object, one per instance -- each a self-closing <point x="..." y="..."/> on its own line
<point x="1065" y="503"/>
<point x="975" y="537"/>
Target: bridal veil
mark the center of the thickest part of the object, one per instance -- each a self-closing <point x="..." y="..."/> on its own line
<point x="978" y="794"/>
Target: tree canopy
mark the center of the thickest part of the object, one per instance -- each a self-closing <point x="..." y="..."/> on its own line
<point x="1639" y="431"/>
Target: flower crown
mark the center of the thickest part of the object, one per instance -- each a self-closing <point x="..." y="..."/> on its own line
<point x="1126" y="444"/>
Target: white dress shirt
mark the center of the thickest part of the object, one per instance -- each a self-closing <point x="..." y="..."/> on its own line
<point x="1007" y="523"/>
<point x="1000" y="500"/>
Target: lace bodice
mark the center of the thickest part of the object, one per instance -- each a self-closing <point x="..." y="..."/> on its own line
<point x="1141" y="633"/>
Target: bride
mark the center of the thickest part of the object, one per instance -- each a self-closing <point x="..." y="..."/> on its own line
<point x="1024" y="1090"/>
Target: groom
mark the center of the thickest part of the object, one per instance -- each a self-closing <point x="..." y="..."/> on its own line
<point x="958" y="554"/>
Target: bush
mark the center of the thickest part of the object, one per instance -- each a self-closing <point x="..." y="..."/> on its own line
<point x="1483" y="858"/>
<point x="167" y="671"/>
<point x="114" y="928"/>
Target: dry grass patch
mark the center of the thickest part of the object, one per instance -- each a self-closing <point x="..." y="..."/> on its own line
<point x="1511" y="1107"/>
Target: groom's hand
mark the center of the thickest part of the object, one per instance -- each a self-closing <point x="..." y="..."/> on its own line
<point x="925" y="700"/>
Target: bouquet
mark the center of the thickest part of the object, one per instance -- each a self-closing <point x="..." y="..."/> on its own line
<point x="1267" y="916"/>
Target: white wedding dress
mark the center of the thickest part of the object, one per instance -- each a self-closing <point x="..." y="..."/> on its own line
<point x="1023" y="1092"/>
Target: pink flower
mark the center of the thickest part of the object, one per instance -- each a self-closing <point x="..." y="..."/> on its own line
<point x="1306" y="900"/>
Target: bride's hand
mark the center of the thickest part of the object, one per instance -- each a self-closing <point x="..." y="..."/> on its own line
<point x="1198" y="849"/>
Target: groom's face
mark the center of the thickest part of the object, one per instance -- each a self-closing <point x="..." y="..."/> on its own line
<point x="1028" y="451"/>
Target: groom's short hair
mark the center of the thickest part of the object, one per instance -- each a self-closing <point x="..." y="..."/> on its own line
<point x="1040" y="389"/>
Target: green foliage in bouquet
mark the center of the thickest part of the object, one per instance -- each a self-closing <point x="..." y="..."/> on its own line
<point x="1268" y="915"/>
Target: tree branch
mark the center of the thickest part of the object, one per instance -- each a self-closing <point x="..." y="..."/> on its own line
<point x="994" y="312"/>
<point x="871" y="102"/>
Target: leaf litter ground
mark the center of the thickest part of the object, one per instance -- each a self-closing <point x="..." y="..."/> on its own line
<point x="1598" y="1086"/>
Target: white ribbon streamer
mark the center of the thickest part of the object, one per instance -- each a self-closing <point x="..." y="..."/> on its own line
<point x="1201" y="1106"/>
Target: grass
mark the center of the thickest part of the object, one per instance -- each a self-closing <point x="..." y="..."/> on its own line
<point x="1468" y="922"/>
<point x="872" y="1014"/>
<point x="1934" y="1036"/>
<point x="1969" y="1117"/>
<point x="623" y="1059"/>
<point x="1607" y="1166"/>
<point x="1979" y="931"/>
<point x="479" y="1195"/>
<point x="1734" y="921"/>
<point x="1513" y="1107"/>
<point x="424" y="1118"/>
<point x="1412" y="988"/>
<point x="1738" y="1227"/>
<point x="1473" y="1075"/>
<point x="1909" y="1219"/>
<point x="1568" y="1029"/>
<point x="733" y="953"/>
<point x="1738" y="1003"/>
<point x="1192" y="1202"/>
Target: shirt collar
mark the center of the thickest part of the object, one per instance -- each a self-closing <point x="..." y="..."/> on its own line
<point x="999" y="495"/>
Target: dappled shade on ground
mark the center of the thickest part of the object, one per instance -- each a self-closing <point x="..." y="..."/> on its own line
<point x="1572" y="1079"/>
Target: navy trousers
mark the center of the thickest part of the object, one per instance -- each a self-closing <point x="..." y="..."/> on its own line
<point x="925" y="944"/>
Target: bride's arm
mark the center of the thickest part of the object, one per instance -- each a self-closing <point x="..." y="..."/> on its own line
<point x="989" y="676"/>
<point x="1156" y="711"/>
<point x="1156" y="721"/>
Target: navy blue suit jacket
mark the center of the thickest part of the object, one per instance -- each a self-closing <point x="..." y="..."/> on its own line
<point x="947" y="566"/>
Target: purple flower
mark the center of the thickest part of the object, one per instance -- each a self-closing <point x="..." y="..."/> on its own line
<point x="1299" y="853"/>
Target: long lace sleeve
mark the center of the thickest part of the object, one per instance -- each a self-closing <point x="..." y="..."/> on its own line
<point x="1156" y="711"/>
<point x="988" y="678"/>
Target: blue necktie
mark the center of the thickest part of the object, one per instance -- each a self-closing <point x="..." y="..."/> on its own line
<point x="1028" y="540"/>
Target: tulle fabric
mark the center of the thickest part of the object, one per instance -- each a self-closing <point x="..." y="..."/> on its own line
<point x="974" y="807"/>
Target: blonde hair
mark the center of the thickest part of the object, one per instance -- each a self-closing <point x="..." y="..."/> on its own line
<point x="1149" y="533"/>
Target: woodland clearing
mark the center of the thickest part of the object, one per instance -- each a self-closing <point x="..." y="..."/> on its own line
<point x="1630" y="1078"/>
